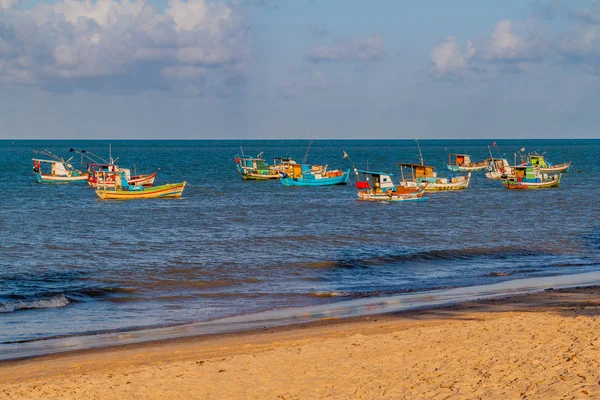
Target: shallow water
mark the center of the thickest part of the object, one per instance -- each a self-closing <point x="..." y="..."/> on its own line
<point x="72" y="264"/>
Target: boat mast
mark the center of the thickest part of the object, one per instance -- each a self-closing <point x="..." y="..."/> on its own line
<point x="306" y="154"/>
<point x="420" y="154"/>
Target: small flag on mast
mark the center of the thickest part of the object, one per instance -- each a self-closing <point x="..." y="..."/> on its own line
<point x="345" y="155"/>
<point x="494" y="144"/>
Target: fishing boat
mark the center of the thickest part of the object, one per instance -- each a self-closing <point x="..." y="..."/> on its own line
<point x="498" y="168"/>
<point x="124" y="191"/>
<point x="463" y="163"/>
<point x="103" y="176"/>
<point x="56" y="169"/>
<point x="425" y="174"/>
<point x="530" y="177"/>
<point x="378" y="186"/>
<point x="315" y="175"/>
<point x="101" y="173"/>
<point x="421" y="174"/>
<point x="283" y="165"/>
<point x="538" y="160"/>
<point x="255" y="168"/>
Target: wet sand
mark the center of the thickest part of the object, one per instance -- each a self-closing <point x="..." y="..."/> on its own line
<point x="539" y="346"/>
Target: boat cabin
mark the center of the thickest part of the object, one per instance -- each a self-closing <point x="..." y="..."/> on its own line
<point x="57" y="168"/>
<point x="378" y="182"/>
<point x="537" y="160"/>
<point x="496" y="164"/>
<point x="419" y="173"/>
<point x="460" y="160"/>
<point x="278" y="161"/>
<point x="251" y="164"/>
<point x="284" y="165"/>
<point x="121" y="182"/>
<point x="106" y="173"/>
<point x="257" y="164"/>
<point x="527" y="173"/>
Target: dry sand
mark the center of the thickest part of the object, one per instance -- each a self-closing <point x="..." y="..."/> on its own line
<point x="542" y="346"/>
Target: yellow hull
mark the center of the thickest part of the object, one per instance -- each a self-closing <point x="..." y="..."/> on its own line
<point x="168" y="190"/>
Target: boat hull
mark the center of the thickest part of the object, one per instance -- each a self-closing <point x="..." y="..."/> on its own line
<point x="393" y="197"/>
<point x="497" y="175"/>
<point x="511" y="184"/>
<point x="335" y="180"/>
<point x="456" y="168"/>
<point x="251" y="176"/>
<point x="434" y="186"/>
<point x="138" y="180"/>
<point x="168" y="190"/>
<point x="556" y="168"/>
<point x="42" y="178"/>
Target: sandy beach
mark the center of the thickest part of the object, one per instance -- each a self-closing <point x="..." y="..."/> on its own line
<point x="540" y="346"/>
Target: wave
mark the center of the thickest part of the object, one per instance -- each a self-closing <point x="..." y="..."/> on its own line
<point x="497" y="253"/>
<point x="53" y="302"/>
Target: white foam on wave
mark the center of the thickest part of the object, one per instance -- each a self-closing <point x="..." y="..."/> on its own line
<point x="330" y="294"/>
<point x="53" y="302"/>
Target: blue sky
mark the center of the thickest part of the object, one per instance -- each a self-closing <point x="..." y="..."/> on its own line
<point x="202" y="69"/>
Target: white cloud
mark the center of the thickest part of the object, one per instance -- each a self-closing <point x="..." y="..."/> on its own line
<point x="369" y="49"/>
<point x="123" y="45"/>
<point x="503" y="50"/>
<point x="8" y="4"/>
<point x="198" y="13"/>
<point x="447" y="58"/>
<point x="504" y="44"/>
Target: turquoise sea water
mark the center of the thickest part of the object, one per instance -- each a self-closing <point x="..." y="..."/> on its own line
<point x="71" y="264"/>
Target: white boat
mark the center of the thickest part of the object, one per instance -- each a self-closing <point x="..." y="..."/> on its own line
<point x="498" y="168"/>
<point x="56" y="169"/>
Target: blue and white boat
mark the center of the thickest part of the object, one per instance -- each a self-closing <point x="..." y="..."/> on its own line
<point x="316" y="175"/>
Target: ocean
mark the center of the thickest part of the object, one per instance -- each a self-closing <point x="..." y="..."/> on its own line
<point x="72" y="265"/>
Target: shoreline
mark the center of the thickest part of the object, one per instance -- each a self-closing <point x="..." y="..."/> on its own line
<point x="356" y="308"/>
<point x="541" y="345"/>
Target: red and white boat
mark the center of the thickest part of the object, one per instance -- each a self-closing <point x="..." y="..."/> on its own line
<point x="103" y="176"/>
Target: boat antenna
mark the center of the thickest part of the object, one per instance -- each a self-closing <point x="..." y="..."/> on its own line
<point x="48" y="153"/>
<point x="420" y="154"/>
<point x="351" y="162"/>
<point x="242" y="150"/>
<point x="306" y="154"/>
<point x="84" y="153"/>
<point x="110" y="153"/>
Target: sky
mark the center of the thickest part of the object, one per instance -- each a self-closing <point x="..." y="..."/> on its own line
<point x="299" y="69"/>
